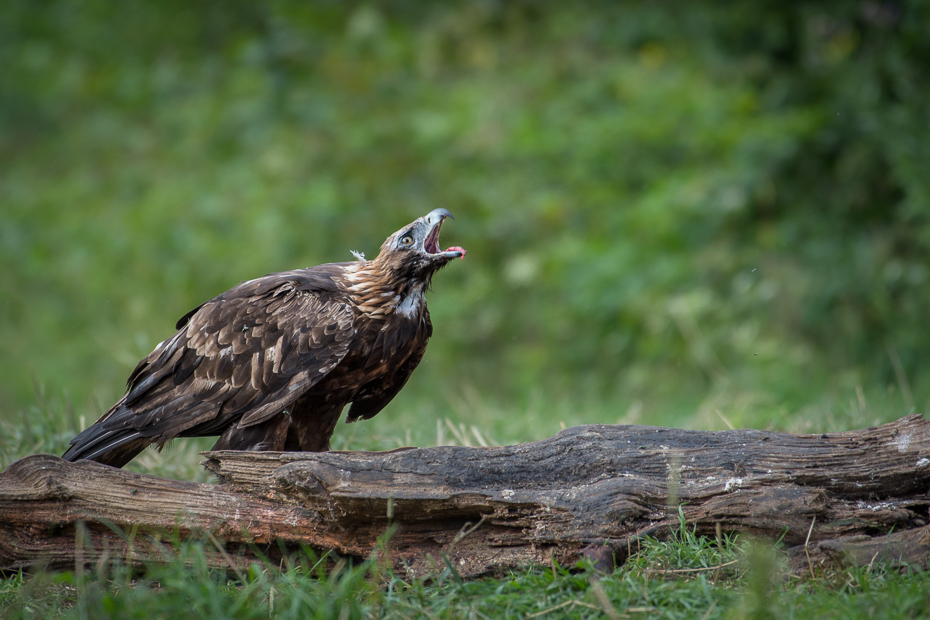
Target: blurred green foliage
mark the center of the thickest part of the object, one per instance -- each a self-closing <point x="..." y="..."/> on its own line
<point x="669" y="209"/>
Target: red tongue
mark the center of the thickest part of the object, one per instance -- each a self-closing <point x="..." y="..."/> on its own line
<point x="456" y="248"/>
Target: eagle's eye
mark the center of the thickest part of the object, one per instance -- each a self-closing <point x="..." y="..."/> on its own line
<point x="406" y="241"/>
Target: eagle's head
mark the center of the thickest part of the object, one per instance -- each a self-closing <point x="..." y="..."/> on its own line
<point x="413" y="253"/>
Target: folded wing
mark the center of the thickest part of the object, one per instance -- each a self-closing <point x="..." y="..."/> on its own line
<point x="239" y="359"/>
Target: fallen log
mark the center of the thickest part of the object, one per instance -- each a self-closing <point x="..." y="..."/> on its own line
<point x="588" y="491"/>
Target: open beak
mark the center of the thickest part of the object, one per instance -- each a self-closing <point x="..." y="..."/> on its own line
<point x="431" y="244"/>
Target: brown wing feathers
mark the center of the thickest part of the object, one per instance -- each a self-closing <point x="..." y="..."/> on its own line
<point x="252" y="349"/>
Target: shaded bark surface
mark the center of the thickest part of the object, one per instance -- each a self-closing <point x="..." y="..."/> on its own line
<point x="594" y="490"/>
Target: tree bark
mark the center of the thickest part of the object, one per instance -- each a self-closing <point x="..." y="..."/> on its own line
<point x="588" y="491"/>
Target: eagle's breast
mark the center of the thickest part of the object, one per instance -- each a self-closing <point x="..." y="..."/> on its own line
<point x="411" y="305"/>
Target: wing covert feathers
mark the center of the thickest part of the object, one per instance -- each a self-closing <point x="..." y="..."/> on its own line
<point x="241" y="357"/>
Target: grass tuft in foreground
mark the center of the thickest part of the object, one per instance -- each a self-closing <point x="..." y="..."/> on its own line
<point x="686" y="576"/>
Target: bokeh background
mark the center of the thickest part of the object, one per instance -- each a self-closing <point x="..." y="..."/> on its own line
<point x="695" y="214"/>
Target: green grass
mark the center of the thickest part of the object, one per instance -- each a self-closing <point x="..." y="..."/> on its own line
<point x="687" y="576"/>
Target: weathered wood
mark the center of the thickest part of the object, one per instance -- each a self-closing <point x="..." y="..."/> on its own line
<point x="588" y="490"/>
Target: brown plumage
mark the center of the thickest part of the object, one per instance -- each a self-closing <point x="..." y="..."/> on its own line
<point x="271" y="363"/>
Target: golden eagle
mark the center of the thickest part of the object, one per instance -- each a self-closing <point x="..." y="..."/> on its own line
<point x="271" y="363"/>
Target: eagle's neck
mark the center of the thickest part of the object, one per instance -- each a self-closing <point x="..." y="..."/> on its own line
<point x="378" y="294"/>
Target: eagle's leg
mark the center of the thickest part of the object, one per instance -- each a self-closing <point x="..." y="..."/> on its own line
<point x="314" y="420"/>
<point x="269" y="435"/>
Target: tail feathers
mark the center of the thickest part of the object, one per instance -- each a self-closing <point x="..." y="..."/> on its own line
<point x="111" y="446"/>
